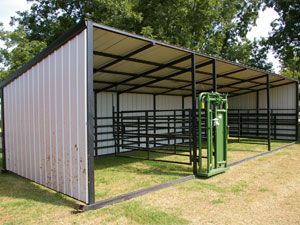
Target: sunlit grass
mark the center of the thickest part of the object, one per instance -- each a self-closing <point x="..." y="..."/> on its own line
<point x="24" y="202"/>
<point x="118" y="175"/>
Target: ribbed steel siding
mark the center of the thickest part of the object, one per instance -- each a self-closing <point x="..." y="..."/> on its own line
<point x="247" y="101"/>
<point x="128" y="101"/>
<point x="105" y="102"/>
<point x="283" y="97"/>
<point x="45" y="117"/>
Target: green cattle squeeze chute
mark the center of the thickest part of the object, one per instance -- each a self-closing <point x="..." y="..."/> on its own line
<point x="215" y="160"/>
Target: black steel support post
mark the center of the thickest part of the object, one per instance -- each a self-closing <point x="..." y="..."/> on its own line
<point x="146" y="134"/>
<point x="239" y="126"/>
<point x="118" y="123"/>
<point x="154" y="119"/>
<point x="96" y="124"/>
<point x="3" y="132"/>
<point x="214" y="73"/>
<point x="194" y="118"/>
<point x="297" y="111"/>
<point x="257" y="112"/>
<point x="268" y="112"/>
<point x="183" y="118"/>
<point x="90" y="113"/>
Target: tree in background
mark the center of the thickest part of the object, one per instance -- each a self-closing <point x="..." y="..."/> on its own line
<point x="18" y="49"/>
<point x="209" y="26"/>
<point x="285" y="36"/>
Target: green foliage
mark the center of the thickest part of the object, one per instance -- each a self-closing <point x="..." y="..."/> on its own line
<point x="285" y="34"/>
<point x="209" y="26"/>
<point x="18" y="49"/>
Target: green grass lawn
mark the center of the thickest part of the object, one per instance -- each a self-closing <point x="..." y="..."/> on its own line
<point x="260" y="187"/>
<point x="118" y="175"/>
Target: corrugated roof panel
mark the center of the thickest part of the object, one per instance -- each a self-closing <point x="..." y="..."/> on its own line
<point x="225" y="81"/>
<point x="109" y="77"/>
<point x="261" y="80"/>
<point x="222" y="67"/>
<point x="180" y="92"/>
<point x="202" y="77"/>
<point x="244" y="85"/>
<point x="140" y="80"/>
<point x="125" y="46"/>
<point x="101" y="60"/>
<point x="246" y="74"/>
<point x="150" y="90"/>
<point x="184" y="76"/>
<point x="131" y="67"/>
<point x="279" y="82"/>
<point x="163" y="72"/>
<point x="161" y="54"/>
<point x="206" y="69"/>
<point x="169" y="83"/>
<point x="121" y="43"/>
<point x="202" y="86"/>
<point x="188" y="62"/>
<point x="106" y="40"/>
<point x="226" y="90"/>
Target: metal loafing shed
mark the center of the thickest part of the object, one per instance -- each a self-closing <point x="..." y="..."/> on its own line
<point x="54" y="104"/>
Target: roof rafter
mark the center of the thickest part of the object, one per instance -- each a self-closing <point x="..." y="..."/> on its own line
<point x="150" y="71"/>
<point x="169" y="76"/>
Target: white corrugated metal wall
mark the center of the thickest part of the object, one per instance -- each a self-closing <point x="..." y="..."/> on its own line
<point x="45" y="121"/>
<point x="282" y="97"/>
<point x="128" y="101"/>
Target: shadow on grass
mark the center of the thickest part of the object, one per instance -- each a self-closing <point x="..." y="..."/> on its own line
<point x="19" y="191"/>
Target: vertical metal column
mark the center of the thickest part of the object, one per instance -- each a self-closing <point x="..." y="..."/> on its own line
<point x="3" y="131"/>
<point x="194" y="119"/>
<point x="154" y="119"/>
<point x="90" y="112"/>
<point x="268" y="112"/>
<point x="146" y="134"/>
<point x="96" y="124"/>
<point x="297" y="111"/>
<point x="239" y="125"/>
<point x="183" y="118"/>
<point x="118" y="123"/>
<point x="257" y="111"/>
<point x="214" y="73"/>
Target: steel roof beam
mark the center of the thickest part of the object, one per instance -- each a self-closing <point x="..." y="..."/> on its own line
<point x="150" y="71"/>
<point x="145" y="47"/>
<point x="201" y="81"/>
<point x="243" y="81"/>
<point x="169" y="76"/>
<point x="134" y="85"/>
<point x="142" y="61"/>
<point x="147" y="76"/>
<point x="254" y="86"/>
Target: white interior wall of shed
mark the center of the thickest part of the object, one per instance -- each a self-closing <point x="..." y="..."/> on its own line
<point x="45" y="114"/>
<point x="282" y="100"/>
<point x="282" y="97"/>
<point x="129" y="101"/>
